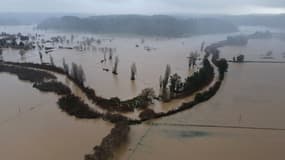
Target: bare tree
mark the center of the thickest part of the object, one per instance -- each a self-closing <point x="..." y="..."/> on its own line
<point x="65" y="66"/>
<point x="77" y="73"/>
<point x="202" y="46"/>
<point x="94" y="48"/>
<point x="98" y="41"/>
<point x="164" y="90"/>
<point x="81" y="75"/>
<point x="22" y="53"/>
<point x="105" y="56"/>
<point x="51" y="60"/>
<point x="73" y="71"/>
<point x="192" y="59"/>
<point x="166" y="76"/>
<point x="175" y="84"/>
<point x="160" y="82"/>
<point x="41" y="56"/>
<point x="133" y="71"/>
<point x="115" y="69"/>
<point x="1" y="54"/>
<point x="240" y="58"/>
<point x="110" y="54"/>
<point x="72" y="38"/>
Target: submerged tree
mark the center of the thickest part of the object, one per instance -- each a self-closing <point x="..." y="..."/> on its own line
<point x="215" y="55"/>
<point x="105" y="57"/>
<point x="166" y="76"/>
<point x="41" y="56"/>
<point x="223" y="66"/>
<point x="164" y="90"/>
<point x="72" y="38"/>
<point x="115" y="69"/>
<point x="1" y="54"/>
<point x="51" y="60"/>
<point x="78" y="74"/>
<point x="240" y="58"/>
<point x="234" y="59"/>
<point x="148" y="93"/>
<point x="22" y="53"/>
<point x="81" y="75"/>
<point x="160" y="82"/>
<point x="175" y="84"/>
<point x="192" y="59"/>
<point x="111" y="54"/>
<point x="199" y="79"/>
<point x="133" y="71"/>
<point x="65" y="66"/>
<point x="202" y="46"/>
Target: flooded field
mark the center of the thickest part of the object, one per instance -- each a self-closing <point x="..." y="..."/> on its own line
<point x="33" y="127"/>
<point x="257" y="49"/>
<point x="150" y="64"/>
<point x="182" y="142"/>
<point x="247" y="98"/>
<point x="251" y="96"/>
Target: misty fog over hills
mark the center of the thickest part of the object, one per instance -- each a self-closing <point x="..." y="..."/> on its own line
<point x="274" y="21"/>
<point x="30" y="18"/>
<point x="158" y="25"/>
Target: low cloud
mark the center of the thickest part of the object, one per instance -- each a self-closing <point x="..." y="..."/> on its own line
<point x="146" y="6"/>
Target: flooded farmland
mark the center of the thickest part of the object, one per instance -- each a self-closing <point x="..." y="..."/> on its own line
<point x="33" y="127"/>
<point x="251" y="96"/>
<point x="150" y="64"/>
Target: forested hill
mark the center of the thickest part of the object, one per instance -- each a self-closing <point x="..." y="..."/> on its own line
<point x="158" y="25"/>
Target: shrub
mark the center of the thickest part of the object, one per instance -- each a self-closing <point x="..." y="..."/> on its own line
<point x="74" y="106"/>
<point x="53" y="86"/>
<point x="27" y="74"/>
<point x="118" y="136"/>
<point x="147" y="114"/>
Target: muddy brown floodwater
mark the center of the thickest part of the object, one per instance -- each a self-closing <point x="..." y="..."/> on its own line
<point x="252" y="95"/>
<point x="33" y="127"/>
<point x="150" y="65"/>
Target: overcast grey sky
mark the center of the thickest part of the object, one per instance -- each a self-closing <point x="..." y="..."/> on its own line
<point x="145" y="6"/>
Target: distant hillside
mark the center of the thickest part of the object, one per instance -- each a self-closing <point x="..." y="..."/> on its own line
<point x="158" y="25"/>
<point x="25" y="18"/>
<point x="275" y="21"/>
<point x="9" y="21"/>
